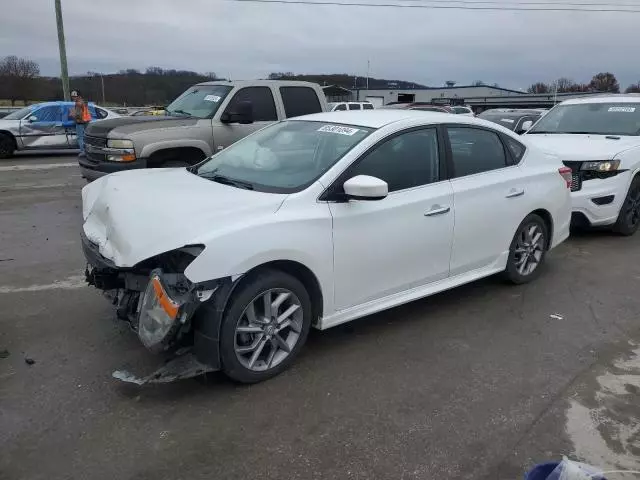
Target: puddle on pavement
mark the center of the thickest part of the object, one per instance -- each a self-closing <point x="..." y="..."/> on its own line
<point x="603" y="418"/>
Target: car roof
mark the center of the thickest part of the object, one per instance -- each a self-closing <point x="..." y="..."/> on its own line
<point x="380" y="118"/>
<point x="261" y="83"/>
<point x="605" y="98"/>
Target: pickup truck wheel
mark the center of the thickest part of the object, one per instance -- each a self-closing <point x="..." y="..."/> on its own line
<point x="6" y="146"/>
<point x="265" y="326"/>
<point x="527" y="251"/>
<point x="629" y="216"/>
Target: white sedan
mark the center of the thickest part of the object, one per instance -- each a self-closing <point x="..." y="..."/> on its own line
<point x="316" y="221"/>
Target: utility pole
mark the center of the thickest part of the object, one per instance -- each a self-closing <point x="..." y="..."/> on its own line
<point x="368" y="68"/>
<point x="64" y="73"/>
<point x="102" y="80"/>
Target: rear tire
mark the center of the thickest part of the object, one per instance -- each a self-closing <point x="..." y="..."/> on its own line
<point x="7" y="146"/>
<point x="629" y="216"/>
<point x="527" y="251"/>
<point x="254" y="339"/>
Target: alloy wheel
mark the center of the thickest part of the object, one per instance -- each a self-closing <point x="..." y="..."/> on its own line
<point x="529" y="249"/>
<point x="268" y="329"/>
<point x="632" y="208"/>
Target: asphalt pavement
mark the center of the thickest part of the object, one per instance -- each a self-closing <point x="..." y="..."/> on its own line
<point x="480" y="382"/>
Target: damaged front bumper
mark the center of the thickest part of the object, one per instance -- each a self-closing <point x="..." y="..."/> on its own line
<point x="160" y="306"/>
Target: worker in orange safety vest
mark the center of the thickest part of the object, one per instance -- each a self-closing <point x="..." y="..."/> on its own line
<point x="81" y="116"/>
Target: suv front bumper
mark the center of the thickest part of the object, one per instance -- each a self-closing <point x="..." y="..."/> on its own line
<point x="585" y="202"/>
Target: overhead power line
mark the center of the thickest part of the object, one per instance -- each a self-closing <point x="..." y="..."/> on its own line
<point x="603" y="8"/>
<point x="498" y="3"/>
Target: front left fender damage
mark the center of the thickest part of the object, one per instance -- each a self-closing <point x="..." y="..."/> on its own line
<point x="170" y="314"/>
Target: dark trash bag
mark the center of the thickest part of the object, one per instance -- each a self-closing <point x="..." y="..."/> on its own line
<point x="562" y="471"/>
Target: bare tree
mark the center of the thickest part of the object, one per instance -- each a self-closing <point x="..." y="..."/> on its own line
<point x="564" y="84"/>
<point x="605" y="82"/>
<point x="450" y="83"/>
<point x="634" y="88"/>
<point x="539" y="87"/>
<point x="18" y="74"/>
<point x="478" y="83"/>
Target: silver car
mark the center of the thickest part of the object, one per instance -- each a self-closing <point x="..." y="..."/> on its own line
<point x="44" y="126"/>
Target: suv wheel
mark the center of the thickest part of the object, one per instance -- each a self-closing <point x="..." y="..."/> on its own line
<point x="6" y="146"/>
<point x="527" y="251"/>
<point x="265" y="326"/>
<point x="629" y="216"/>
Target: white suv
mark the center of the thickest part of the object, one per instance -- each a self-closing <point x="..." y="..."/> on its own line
<point x="343" y="106"/>
<point x="316" y="221"/>
<point x="598" y="138"/>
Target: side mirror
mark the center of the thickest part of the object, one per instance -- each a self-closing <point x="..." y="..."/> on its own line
<point x="364" y="187"/>
<point x="243" y="113"/>
<point x="32" y="119"/>
<point x="525" y="127"/>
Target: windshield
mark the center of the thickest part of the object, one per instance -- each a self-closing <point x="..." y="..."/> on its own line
<point x="504" y="120"/>
<point x="593" y="118"/>
<point x="18" y="114"/>
<point x="284" y="157"/>
<point x="201" y="101"/>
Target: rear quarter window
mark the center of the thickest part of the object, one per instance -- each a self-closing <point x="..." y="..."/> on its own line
<point x="515" y="148"/>
<point x="299" y="101"/>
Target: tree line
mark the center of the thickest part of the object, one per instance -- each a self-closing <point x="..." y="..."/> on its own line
<point x="20" y="81"/>
<point x="601" y="82"/>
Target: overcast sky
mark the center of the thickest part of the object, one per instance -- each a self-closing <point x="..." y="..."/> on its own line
<point x="250" y="40"/>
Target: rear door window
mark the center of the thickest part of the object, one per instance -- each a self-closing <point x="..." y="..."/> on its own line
<point x="367" y="106"/>
<point x="475" y="150"/>
<point x="261" y="98"/>
<point x="299" y="101"/>
<point x="354" y="106"/>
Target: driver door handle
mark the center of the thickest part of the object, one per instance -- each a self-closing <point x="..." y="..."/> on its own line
<point x="515" y="192"/>
<point x="437" y="210"/>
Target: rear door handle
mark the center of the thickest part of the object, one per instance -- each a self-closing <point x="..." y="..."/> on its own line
<point x="437" y="210"/>
<point x="515" y="192"/>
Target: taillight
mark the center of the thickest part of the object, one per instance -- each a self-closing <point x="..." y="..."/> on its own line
<point x="565" y="172"/>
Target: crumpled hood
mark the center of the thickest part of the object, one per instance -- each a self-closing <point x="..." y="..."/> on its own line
<point x="136" y="215"/>
<point x="121" y="126"/>
<point x="582" y="147"/>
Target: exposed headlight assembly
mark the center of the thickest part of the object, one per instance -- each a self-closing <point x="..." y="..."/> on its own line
<point x="159" y="314"/>
<point x="601" y="166"/>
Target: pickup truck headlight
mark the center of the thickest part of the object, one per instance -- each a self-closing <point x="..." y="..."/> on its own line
<point x="116" y="143"/>
<point x="601" y="166"/>
<point x="158" y="314"/>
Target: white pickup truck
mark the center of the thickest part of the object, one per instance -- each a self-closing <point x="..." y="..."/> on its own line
<point x="598" y="137"/>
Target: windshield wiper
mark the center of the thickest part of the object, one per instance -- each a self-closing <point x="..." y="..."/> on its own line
<point x="541" y="131"/>
<point x="181" y="112"/>
<point x="228" y="181"/>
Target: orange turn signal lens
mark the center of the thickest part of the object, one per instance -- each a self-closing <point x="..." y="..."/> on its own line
<point x="130" y="157"/>
<point x="169" y="306"/>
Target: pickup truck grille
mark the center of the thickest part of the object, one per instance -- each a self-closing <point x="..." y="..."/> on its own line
<point x="93" y="147"/>
<point x="96" y="142"/>
<point x="576" y="175"/>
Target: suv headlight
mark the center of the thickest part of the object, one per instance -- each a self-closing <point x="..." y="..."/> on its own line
<point x="158" y="315"/>
<point x="601" y="166"/>
<point x="117" y="143"/>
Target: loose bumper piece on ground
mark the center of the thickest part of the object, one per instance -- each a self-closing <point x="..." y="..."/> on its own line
<point x="184" y="365"/>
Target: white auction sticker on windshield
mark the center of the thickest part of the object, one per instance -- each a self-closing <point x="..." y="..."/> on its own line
<point x="212" y="98"/>
<point x="507" y="120"/>
<point x="339" y="130"/>
<point x="622" y="109"/>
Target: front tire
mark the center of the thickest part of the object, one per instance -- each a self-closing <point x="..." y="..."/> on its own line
<point x="527" y="251"/>
<point x="7" y="146"/>
<point x="629" y="216"/>
<point x="264" y="327"/>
